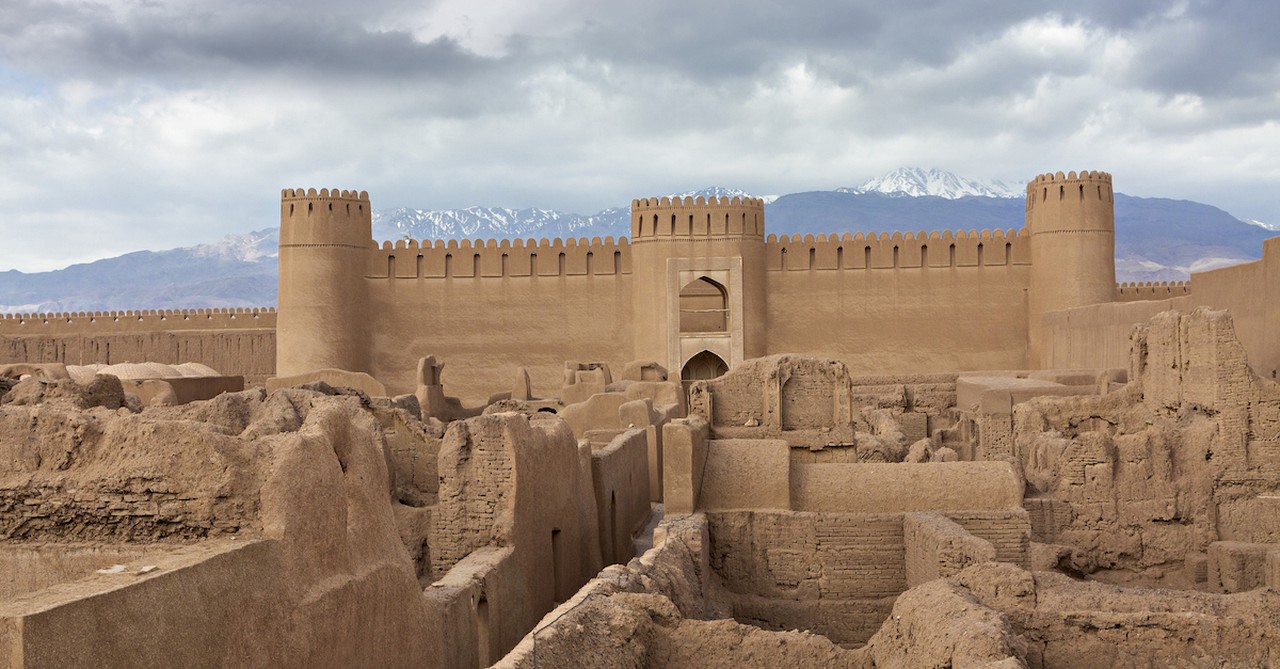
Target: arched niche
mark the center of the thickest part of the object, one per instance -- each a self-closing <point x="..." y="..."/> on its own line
<point x="702" y="367"/>
<point x="704" y="307"/>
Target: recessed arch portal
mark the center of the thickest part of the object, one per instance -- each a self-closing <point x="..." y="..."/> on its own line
<point x="704" y="306"/>
<point x="702" y="367"/>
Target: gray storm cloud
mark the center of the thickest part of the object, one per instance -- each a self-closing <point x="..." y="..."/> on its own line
<point x="129" y="125"/>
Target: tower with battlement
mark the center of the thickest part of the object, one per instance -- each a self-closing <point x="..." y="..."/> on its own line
<point x="1071" y="218"/>
<point x="325" y="240"/>
<point x="698" y="283"/>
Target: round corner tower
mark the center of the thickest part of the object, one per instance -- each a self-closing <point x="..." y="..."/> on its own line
<point x="1071" y="219"/>
<point x="322" y="319"/>
<point x="698" y="281"/>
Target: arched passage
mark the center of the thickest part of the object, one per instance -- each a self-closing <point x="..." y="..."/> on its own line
<point x="703" y="366"/>
<point x="704" y="306"/>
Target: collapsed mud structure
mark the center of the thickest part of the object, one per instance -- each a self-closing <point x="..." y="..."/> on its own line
<point x="811" y="518"/>
<point x="1027" y="556"/>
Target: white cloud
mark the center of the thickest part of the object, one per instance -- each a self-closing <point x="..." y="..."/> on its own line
<point x="129" y="125"/>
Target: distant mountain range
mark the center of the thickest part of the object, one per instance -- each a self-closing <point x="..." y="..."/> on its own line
<point x="1156" y="240"/>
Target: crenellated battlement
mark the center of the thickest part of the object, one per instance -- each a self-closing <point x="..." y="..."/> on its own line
<point x="159" y="319"/>
<point x="1151" y="290"/>
<point x="662" y="217"/>
<point x="1086" y="185"/>
<point x="328" y="218"/>
<point x="440" y="259"/>
<point x="921" y="249"/>
<point x="323" y="194"/>
<point x="1071" y="177"/>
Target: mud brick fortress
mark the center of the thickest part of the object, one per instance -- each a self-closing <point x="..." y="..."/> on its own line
<point x="697" y="288"/>
<point x="701" y="445"/>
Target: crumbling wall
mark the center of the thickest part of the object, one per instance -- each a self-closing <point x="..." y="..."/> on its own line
<point x="620" y="474"/>
<point x="517" y="481"/>
<point x="836" y="574"/>
<point x="99" y="475"/>
<point x="804" y="400"/>
<point x="286" y="534"/>
<point x="831" y="573"/>
<point x="937" y="547"/>
<point x="1152" y="475"/>
<point x="657" y="611"/>
<point x="476" y="492"/>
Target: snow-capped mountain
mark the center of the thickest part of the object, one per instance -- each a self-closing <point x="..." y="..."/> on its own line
<point x="720" y="191"/>
<point x="502" y="223"/>
<point x="1265" y="226"/>
<point x="1156" y="240"/>
<point x="247" y="247"/>
<point x="496" y="223"/>
<point x="916" y="182"/>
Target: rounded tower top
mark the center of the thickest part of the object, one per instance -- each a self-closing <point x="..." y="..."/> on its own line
<point x="328" y="217"/>
<point x="1090" y="186"/>
<point x="686" y="217"/>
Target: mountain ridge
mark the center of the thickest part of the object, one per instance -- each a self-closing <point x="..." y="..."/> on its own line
<point x="1157" y="239"/>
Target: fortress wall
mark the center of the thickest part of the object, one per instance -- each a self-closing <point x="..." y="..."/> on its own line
<point x="902" y="303"/>
<point x="555" y="301"/>
<point x="1251" y="292"/>
<point x="236" y="342"/>
<point x="441" y="259"/>
<point x="1097" y="336"/>
<point x="1151" y="290"/>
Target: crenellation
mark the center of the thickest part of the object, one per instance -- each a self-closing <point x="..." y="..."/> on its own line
<point x="988" y="248"/>
<point x="495" y="259"/>
<point x="54" y="322"/>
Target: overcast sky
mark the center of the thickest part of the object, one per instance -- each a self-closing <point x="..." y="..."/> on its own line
<point x="129" y="124"/>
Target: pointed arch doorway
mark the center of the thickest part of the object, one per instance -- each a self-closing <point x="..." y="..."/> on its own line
<point x="702" y="367"/>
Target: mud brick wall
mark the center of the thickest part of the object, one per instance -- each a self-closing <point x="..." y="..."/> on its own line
<point x="937" y="547"/>
<point x="836" y="574"/>
<point x="477" y="485"/>
<point x="1009" y="532"/>
<point x="129" y="512"/>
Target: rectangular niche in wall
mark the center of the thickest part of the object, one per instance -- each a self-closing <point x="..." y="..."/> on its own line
<point x="807" y="400"/>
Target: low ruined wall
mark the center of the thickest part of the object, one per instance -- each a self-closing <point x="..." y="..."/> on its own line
<point x="834" y="573"/>
<point x="684" y="463"/>
<point x="620" y="474"/>
<point x="838" y="573"/>
<point x="130" y="620"/>
<point x="272" y="511"/>
<point x="236" y="342"/>
<point x="937" y="546"/>
<point x="898" y="487"/>
<point x="466" y="607"/>
<point x="519" y="481"/>
<point x="601" y="626"/>
<point x="746" y="474"/>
